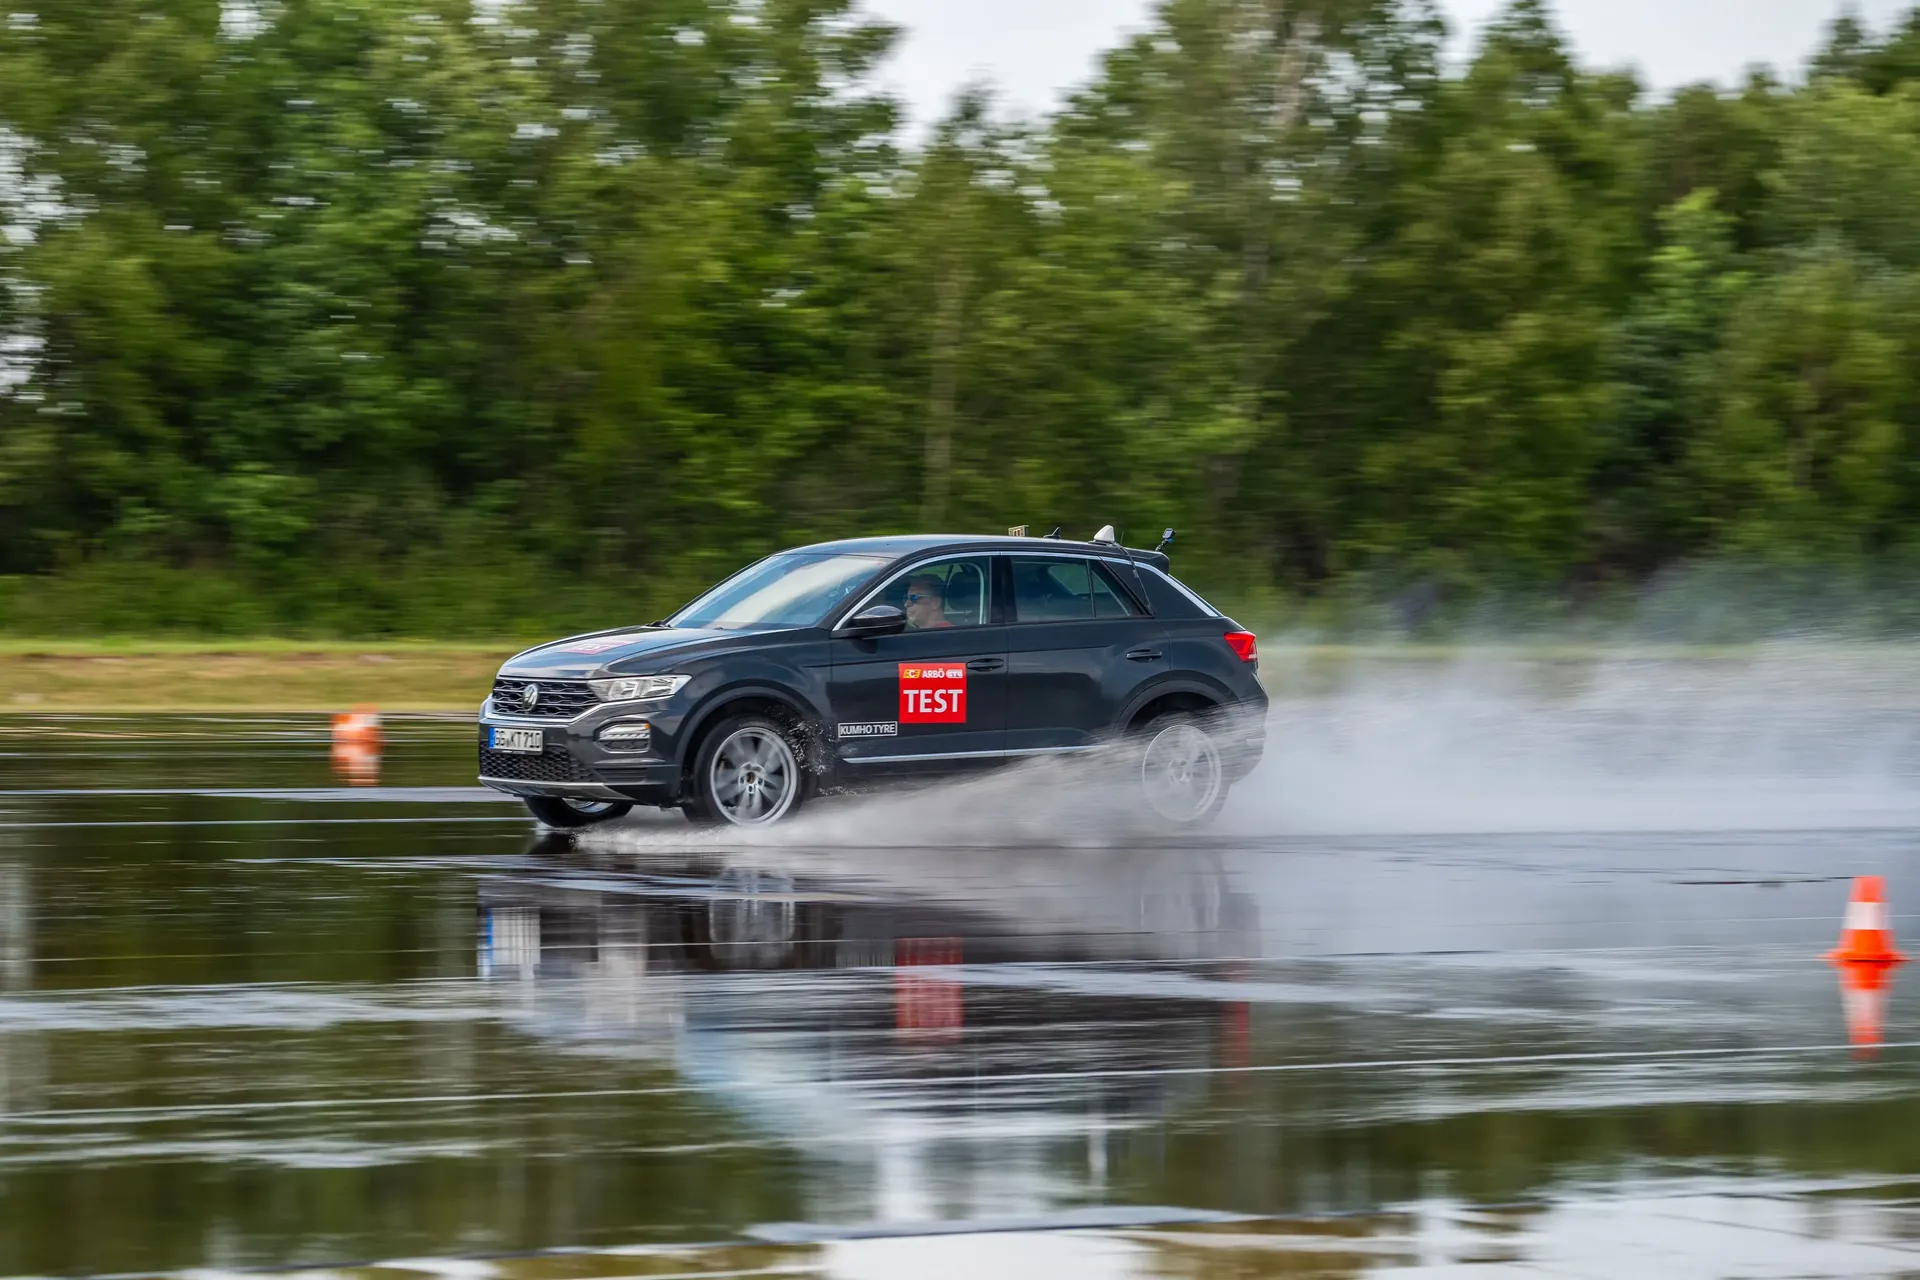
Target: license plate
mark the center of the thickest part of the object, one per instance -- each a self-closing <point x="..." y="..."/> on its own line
<point x="529" y="740"/>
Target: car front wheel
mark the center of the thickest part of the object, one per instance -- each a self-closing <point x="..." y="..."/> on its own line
<point x="555" y="811"/>
<point x="747" y="773"/>
<point x="1181" y="770"/>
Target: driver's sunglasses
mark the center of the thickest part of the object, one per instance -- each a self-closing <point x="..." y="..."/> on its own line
<point x="914" y="597"/>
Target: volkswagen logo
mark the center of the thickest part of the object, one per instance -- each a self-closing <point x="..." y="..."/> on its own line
<point x="530" y="697"/>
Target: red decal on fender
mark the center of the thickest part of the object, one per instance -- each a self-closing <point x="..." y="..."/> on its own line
<point x="933" y="694"/>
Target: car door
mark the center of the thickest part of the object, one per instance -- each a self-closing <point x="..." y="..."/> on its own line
<point x="933" y="696"/>
<point x="1079" y="643"/>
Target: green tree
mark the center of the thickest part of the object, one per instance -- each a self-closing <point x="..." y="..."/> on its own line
<point x="1519" y="252"/>
<point x="1800" y="463"/>
<point x="388" y="315"/>
<point x="1664" y="385"/>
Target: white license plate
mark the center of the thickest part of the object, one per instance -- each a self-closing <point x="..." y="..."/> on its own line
<point x="529" y="740"/>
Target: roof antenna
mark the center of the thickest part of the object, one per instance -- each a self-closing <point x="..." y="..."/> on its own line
<point x="1056" y="532"/>
<point x="1106" y="534"/>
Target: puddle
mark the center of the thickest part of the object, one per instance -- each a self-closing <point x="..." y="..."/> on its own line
<point x="252" y="1016"/>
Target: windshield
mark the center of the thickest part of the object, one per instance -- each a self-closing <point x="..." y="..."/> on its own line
<point x="797" y="589"/>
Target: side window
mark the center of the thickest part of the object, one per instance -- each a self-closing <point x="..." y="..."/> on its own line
<point x="952" y="593"/>
<point x="1110" y="598"/>
<point x="1051" y="590"/>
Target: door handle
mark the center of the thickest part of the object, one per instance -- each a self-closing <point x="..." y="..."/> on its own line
<point x="1143" y="655"/>
<point x="986" y="664"/>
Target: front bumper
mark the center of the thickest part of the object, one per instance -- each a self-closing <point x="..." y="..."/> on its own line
<point x="567" y="790"/>
<point x="574" y="764"/>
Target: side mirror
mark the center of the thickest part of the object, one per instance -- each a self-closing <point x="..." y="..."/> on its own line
<point x="880" y="620"/>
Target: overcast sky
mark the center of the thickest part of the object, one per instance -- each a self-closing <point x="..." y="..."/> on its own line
<point x="1034" y="49"/>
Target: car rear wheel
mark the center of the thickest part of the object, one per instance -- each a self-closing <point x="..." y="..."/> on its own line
<point x="747" y="773"/>
<point x="556" y="811"/>
<point x="1182" y="772"/>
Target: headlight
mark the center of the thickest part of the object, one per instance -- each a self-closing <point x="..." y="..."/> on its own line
<point x="637" y="688"/>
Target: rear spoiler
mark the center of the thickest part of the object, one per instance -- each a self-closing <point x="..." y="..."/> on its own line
<point x="1105" y="538"/>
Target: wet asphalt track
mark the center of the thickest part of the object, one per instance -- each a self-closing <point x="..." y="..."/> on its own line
<point x="252" y="1016"/>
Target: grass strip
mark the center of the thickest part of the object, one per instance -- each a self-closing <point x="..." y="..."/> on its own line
<point x="269" y="675"/>
<point x="231" y="678"/>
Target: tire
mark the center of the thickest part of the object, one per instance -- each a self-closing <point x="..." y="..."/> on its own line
<point x="748" y="772"/>
<point x="554" y="811"/>
<point x="1179" y="768"/>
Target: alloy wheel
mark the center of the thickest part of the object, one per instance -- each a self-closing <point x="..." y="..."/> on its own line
<point x="1181" y="773"/>
<point x="754" y="777"/>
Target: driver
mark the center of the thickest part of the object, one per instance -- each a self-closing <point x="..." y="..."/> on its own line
<point x="926" y="603"/>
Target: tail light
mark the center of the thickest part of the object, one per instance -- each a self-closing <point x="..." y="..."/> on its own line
<point x="1245" y="647"/>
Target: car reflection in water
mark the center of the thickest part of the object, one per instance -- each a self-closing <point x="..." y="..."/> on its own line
<point x="972" y="1049"/>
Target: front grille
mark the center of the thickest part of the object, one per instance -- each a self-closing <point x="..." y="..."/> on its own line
<point x="559" y="699"/>
<point x="555" y="764"/>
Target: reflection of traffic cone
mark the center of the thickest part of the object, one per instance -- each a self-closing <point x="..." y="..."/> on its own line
<point x="1866" y="937"/>
<point x="357" y="762"/>
<point x="1863" y="993"/>
<point x="1236" y="1025"/>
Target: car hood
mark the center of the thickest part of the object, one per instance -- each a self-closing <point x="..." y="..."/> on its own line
<point x="582" y="656"/>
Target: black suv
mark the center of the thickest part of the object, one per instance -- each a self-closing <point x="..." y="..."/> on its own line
<point x="829" y="667"/>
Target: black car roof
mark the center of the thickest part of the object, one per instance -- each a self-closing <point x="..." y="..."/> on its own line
<point x="896" y="545"/>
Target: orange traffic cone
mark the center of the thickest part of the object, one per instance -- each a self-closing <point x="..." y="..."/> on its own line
<point x="1866" y="937"/>
<point x="361" y="725"/>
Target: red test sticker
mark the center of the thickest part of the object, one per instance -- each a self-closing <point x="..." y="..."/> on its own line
<point x="933" y="694"/>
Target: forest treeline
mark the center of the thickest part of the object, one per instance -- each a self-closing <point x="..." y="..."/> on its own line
<point x="441" y="316"/>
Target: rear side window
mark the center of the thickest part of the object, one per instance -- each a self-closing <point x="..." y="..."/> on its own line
<point x="1051" y="590"/>
<point x="1068" y="591"/>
